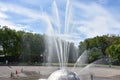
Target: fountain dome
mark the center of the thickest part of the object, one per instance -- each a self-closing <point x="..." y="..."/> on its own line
<point x="63" y="74"/>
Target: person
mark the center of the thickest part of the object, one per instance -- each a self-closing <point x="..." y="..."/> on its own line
<point x="91" y="76"/>
<point x="16" y="72"/>
<point x="6" y="61"/>
<point x="11" y="75"/>
<point x="22" y="70"/>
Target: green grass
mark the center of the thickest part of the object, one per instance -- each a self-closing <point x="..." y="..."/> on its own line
<point x="83" y="65"/>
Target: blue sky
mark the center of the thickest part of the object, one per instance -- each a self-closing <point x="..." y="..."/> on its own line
<point x="72" y="20"/>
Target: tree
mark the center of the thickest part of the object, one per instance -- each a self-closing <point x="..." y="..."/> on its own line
<point x="21" y="45"/>
<point x="101" y="42"/>
<point x="9" y="41"/>
<point x="32" y="47"/>
<point x="113" y="53"/>
<point x="94" y="55"/>
<point x="73" y="53"/>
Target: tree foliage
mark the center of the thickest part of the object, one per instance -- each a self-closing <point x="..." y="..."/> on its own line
<point x="10" y="42"/>
<point x="28" y="47"/>
<point x="108" y="44"/>
<point x="113" y="52"/>
<point x="21" y="45"/>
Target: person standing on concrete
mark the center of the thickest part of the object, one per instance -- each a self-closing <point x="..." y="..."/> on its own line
<point x="91" y="76"/>
<point x="6" y="62"/>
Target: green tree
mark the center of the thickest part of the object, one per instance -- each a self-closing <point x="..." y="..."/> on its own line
<point x="94" y="55"/>
<point x="32" y="47"/>
<point x="113" y="52"/>
<point x="10" y="42"/>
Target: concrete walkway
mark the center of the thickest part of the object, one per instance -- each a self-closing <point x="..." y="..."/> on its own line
<point x="44" y="72"/>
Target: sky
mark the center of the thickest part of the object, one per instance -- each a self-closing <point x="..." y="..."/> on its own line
<point x="72" y="20"/>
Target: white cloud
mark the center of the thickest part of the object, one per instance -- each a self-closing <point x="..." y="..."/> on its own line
<point x="32" y="15"/>
<point x="3" y="9"/>
<point x="4" y="19"/>
<point x="15" y="9"/>
<point x="99" y="21"/>
<point x="3" y="16"/>
<point x="19" y="10"/>
<point x="12" y="25"/>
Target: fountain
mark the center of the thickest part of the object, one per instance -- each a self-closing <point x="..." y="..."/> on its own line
<point x="58" y="45"/>
<point x="63" y="75"/>
<point x="58" y="35"/>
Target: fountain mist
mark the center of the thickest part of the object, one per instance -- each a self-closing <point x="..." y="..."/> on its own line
<point x="57" y="44"/>
<point x="56" y="35"/>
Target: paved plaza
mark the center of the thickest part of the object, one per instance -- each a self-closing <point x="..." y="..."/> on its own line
<point x="36" y="72"/>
